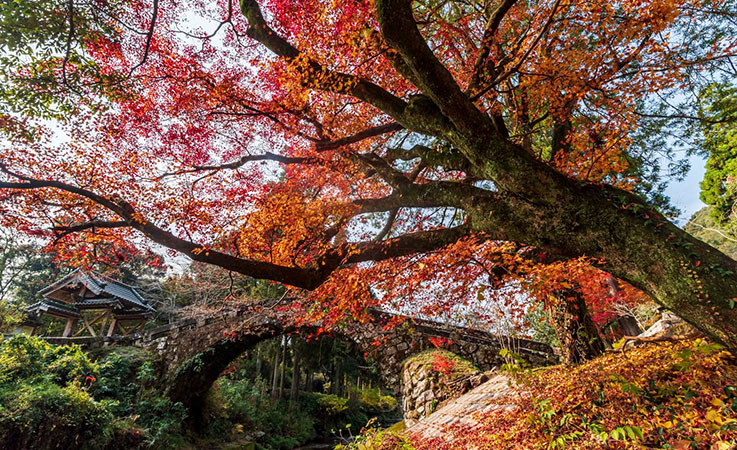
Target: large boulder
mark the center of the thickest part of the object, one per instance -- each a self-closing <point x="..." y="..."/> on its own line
<point x="669" y="325"/>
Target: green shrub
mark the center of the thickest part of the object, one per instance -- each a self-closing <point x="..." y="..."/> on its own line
<point x="244" y="403"/>
<point x="162" y="421"/>
<point x="57" y="397"/>
<point x="43" y="415"/>
<point x="23" y="357"/>
<point x="374" y="402"/>
<point x="331" y="405"/>
<point x="114" y="384"/>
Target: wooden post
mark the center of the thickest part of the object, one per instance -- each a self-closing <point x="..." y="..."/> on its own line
<point x="71" y="321"/>
<point x="113" y="325"/>
<point x="105" y="318"/>
<point x="89" y="326"/>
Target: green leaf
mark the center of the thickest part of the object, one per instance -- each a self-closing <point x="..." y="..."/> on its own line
<point x="630" y="432"/>
<point x="638" y="433"/>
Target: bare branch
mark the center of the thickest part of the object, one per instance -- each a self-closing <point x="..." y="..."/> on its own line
<point x="70" y="37"/>
<point x="90" y="225"/>
<point x="268" y="156"/>
<point x="361" y="135"/>
<point x="407" y="244"/>
<point x="149" y="38"/>
<point x="388" y="226"/>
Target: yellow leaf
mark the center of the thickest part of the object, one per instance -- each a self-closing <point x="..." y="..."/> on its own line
<point x="713" y="415"/>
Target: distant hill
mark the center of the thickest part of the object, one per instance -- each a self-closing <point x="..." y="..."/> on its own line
<point x="704" y="227"/>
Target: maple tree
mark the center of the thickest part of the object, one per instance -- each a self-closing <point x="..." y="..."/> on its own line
<point x="416" y="148"/>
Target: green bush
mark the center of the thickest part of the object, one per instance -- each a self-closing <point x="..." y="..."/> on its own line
<point x="162" y="421"/>
<point x="23" y="357"/>
<point x="43" y="415"/>
<point x="374" y="402"/>
<point x="11" y="315"/>
<point x="56" y="397"/>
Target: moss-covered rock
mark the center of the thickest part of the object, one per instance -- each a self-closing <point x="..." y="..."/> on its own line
<point x="430" y="378"/>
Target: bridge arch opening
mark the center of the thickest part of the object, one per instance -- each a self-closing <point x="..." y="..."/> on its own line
<point x="331" y="364"/>
<point x="306" y="389"/>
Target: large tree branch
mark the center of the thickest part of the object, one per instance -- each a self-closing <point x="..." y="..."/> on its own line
<point x="295" y="276"/>
<point x="307" y="278"/>
<point x="92" y="224"/>
<point x="407" y="244"/>
<point x="267" y="156"/>
<point x="314" y="74"/>
<point x="400" y="31"/>
<point x="437" y="194"/>
<point x="361" y="135"/>
<point x="449" y="159"/>
<point x="492" y="26"/>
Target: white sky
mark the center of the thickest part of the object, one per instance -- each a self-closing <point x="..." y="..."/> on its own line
<point x="685" y="194"/>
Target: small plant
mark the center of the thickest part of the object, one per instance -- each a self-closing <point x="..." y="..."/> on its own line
<point x="442" y="364"/>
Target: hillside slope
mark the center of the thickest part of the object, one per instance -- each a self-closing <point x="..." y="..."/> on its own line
<point x="660" y="396"/>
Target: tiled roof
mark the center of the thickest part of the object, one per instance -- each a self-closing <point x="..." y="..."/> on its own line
<point x="48" y="305"/>
<point x="101" y="285"/>
<point x="126" y="293"/>
<point x="89" y="302"/>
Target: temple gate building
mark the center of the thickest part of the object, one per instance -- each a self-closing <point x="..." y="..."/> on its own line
<point x="93" y="305"/>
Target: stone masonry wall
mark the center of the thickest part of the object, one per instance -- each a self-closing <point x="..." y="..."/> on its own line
<point x="425" y="388"/>
<point x="179" y="342"/>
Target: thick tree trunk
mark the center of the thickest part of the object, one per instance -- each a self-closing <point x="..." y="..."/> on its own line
<point x="536" y="205"/>
<point x="578" y="336"/>
<point x="337" y="378"/>
<point x="627" y="323"/>
<point x="629" y="239"/>
<point x="258" y="361"/>
<point x="681" y="273"/>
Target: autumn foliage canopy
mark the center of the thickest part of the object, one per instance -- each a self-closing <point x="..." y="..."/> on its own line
<point x="437" y="154"/>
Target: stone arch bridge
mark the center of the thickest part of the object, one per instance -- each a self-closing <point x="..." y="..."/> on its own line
<point x="196" y="351"/>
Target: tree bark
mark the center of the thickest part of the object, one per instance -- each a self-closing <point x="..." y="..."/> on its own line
<point x="294" y="393"/>
<point x="578" y="335"/>
<point x="258" y="361"/>
<point x="275" y="373"/>
<point x="627" y="323"/>
<point x="337" y="378"/>
<point x="283" y="368"/>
